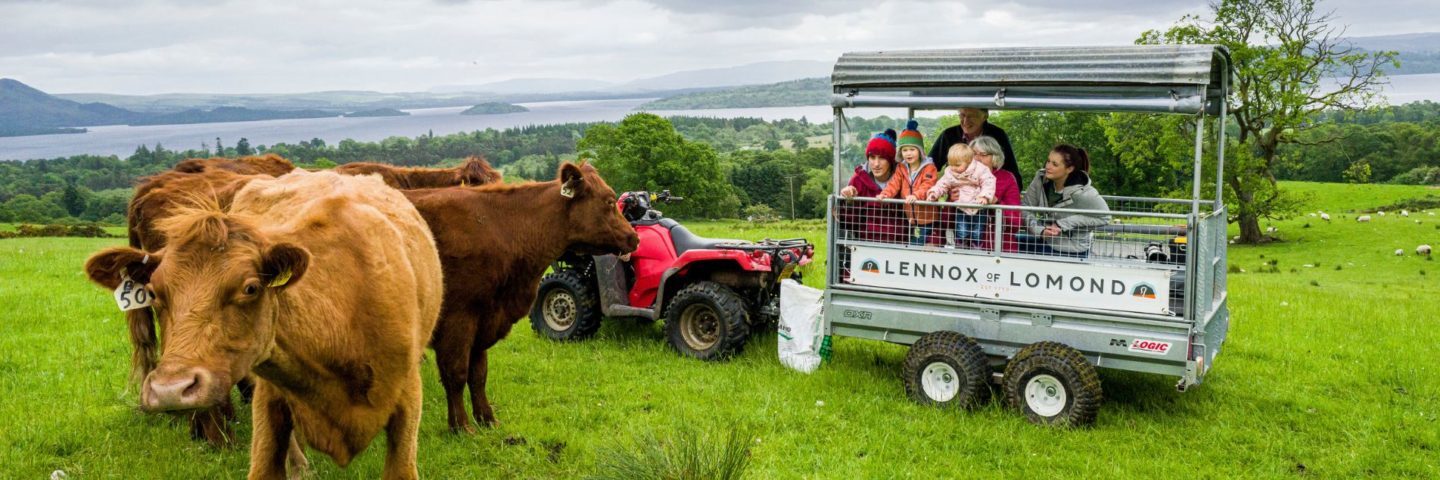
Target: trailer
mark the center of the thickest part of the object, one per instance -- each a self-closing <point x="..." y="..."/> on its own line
<point x="1148" y="296"/>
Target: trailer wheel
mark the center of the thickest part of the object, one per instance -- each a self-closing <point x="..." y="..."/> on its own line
<point x="566" y="307"/>
<point x="1053" y="384"/>
<point x="947" y="369"/>
<point x="707" y="321"/>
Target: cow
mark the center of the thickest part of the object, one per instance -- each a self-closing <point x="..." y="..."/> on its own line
<point x="254" y="289"/>
<point x="219" y="179"/>
<point x="267" y="164"/>
<point x="495" y="243"/>
<point x="474" y="171"/>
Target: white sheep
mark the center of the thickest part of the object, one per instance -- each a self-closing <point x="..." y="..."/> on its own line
<point x="1399" y="252"/>
<point x="1423" y="250"/>
<point x="1362" y="218"/>
<point x="1324" y="216"/>
<point x="1404" y="213"/>
<point x="1271" y="230"/>
<point x="1382" y="213"/>
<point x="1312" y="214"/>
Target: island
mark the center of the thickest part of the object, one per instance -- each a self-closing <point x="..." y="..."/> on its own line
<point x="494" y="108"/>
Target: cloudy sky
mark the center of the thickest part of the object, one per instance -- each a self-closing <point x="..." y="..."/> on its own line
<point x="269" y="46"/>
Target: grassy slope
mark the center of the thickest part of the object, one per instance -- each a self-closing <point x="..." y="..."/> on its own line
<point x="1337" y="380"/>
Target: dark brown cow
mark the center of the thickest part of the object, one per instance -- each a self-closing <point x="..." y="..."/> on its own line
<point x="267" y="164"/>
<point x="254" y="290"/>
<point x="475" y="171"/>
<point x="495" y="243"/>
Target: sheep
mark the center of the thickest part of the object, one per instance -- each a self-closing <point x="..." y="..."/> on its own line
<point x="1399" y="252"/>
<point x="1423" y="250"/>
<point x="1312" y="214"/>
<point x="1324" y="216"/>
<point x="1362" y="218"/>
<point x="1404" y="213"/>
<point x="1382" y="213"/>
<point x="1271" y="230"/>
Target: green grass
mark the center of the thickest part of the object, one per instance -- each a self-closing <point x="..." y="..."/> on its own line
<point x="1330" y="373"/>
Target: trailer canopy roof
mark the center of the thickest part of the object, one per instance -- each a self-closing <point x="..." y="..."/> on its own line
<point x="1185" y="79"/>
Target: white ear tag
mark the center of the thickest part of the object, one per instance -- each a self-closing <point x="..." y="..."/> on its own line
<point x="131" y="295"/>
<point x="567" y="191"/>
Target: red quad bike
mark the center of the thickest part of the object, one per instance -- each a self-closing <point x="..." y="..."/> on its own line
<point x="712" y="293"/>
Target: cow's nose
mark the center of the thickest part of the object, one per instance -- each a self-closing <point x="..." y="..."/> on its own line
<point x="182" y="390"/>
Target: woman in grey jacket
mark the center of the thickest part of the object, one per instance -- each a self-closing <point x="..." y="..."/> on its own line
<point x="1063" y="183"/>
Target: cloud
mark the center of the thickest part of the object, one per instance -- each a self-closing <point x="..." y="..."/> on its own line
<point x="157" y="46"/>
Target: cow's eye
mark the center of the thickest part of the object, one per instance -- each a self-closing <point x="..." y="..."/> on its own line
<point x="252" y="288"/>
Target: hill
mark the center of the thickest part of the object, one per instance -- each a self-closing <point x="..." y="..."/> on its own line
<point x="1418" y="52"/>
<point x="25" y="110"/>
<point x="806" y="91"/>
<point x="749" y="74"/>
<point x="379" y="112"/>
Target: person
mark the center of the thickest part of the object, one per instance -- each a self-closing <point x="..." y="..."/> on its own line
<point x="1063" y="183"/>
<point x="914" y="177"/>
<point x="966" y="181"/>
<point x="974" y="123"/>
<point x="1007" y="192"/>
<point x="872" y="221"/>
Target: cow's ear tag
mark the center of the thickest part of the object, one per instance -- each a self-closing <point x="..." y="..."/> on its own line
<point x="567" y="191"/>
<point x="281" y="279"/>
<point x="131" y="295"/>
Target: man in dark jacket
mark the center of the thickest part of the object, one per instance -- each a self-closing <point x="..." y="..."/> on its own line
<point x="972" y="125"/>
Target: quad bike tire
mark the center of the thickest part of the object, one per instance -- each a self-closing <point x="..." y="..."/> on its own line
<point x="948" y="370"/>
<point x="1052" y="384"/>
<point x="567" y="308"/>
<point x="707" y="321"/>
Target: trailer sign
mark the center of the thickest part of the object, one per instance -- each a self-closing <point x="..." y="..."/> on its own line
<point x="1054" y="283"/>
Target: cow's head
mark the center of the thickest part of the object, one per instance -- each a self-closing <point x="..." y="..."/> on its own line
<point x="216" y="289"/>
<point x="595" y="226"/>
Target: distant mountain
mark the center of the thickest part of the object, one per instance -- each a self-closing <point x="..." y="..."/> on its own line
<point x="751" y="74"/>
<point x="529" y="86"/>
<point x="379" y="112"/>
<point x="1418" y="52"/>
<point x="228" y="114"/>
<point x="803" y="92"/>
<point x="27" y="111"/>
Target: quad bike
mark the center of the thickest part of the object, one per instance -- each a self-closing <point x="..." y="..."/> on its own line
<point x="711" y="293"/>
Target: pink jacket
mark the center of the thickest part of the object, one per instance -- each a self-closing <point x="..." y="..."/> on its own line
<point x="977" y="181"/>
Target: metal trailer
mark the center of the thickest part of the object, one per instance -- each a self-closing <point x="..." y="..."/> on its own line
<point x="968" y="318"/>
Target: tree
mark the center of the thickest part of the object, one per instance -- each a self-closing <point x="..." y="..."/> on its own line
<point x="1284" y="53"/>
<point x="242" y="147"/>
<point x="73" y="200"/>
<point x="644" y="152"/>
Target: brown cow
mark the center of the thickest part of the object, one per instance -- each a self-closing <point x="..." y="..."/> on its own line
<point x="267" y="164"/>
<point x="495" y="243"/>
<point x="219" y="179"/>
<point x="254" y="290"/>
<point x="475" y="171"/>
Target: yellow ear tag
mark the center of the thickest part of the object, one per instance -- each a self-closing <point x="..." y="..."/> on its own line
<point x="281" y="279"/>
<point x="464" y="183"/>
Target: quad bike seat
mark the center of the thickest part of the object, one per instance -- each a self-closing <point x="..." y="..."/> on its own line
<point x="685" y="241"/>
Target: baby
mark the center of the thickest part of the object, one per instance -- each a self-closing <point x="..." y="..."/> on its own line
<point x="966" y="181"/>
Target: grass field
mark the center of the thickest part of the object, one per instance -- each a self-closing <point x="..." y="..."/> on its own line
<point x="1330" y="370"/>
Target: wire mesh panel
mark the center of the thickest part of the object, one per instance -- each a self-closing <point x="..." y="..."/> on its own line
<point x="1143" y="234"/>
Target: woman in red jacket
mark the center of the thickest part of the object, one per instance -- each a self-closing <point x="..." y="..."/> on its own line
<point x="1007" y="192"/>
<point x="872" y="221"/>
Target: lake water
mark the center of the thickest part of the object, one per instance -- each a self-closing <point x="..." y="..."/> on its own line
<point x="122" y="140"/>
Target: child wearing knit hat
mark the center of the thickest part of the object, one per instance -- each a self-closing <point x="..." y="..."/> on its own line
<point x="913" y="178"/>
<point x="870" y="178"/>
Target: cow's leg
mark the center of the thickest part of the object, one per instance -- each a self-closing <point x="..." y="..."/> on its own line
<point x="402" y="433"/>
<point x="452" y="356"/>
<point x="479" y="370"/>
<point x="274" y="427"/>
